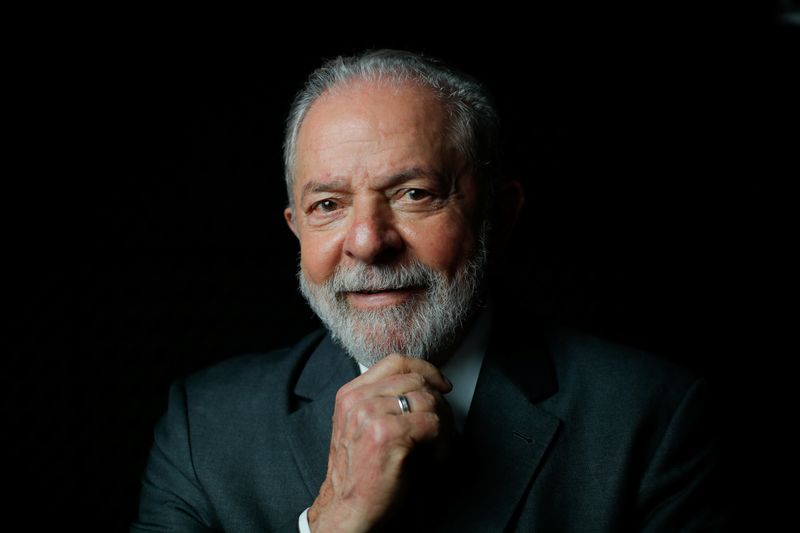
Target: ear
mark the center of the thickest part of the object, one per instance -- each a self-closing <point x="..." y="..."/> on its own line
<point x="288" y="214"/>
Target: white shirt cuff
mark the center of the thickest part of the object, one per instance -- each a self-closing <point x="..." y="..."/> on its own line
<point x="302" y="522"/>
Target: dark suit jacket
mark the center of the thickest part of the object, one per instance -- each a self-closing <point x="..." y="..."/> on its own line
<point x="566" y="433"/>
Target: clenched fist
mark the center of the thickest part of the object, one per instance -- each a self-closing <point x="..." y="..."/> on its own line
<point x="372" y="439"/>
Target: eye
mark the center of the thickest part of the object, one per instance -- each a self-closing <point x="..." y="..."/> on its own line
<point x="416" y="194"/>
<point x="326" y="206"/>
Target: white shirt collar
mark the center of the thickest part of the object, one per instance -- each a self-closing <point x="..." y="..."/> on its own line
<point x="463" y="368"/>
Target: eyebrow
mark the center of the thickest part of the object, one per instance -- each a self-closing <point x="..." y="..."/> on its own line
<point x="319" y="186"/>
<point x="338" y="184"/>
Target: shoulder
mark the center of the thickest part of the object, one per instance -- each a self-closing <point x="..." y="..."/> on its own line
<point x="609" y="380"/>
<point x="226" y="407"/>
<point x="578" y="355"/>
<point x="222" y="425"/>
<point x="245" y="378"/>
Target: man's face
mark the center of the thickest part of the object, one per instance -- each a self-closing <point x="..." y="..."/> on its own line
<point x="389" y="220"/>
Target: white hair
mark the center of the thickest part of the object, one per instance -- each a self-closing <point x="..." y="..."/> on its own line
<point x="421" y="327"/>
<point x="472" y="124"/>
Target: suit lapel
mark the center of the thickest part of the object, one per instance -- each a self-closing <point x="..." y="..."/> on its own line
<point x="506" y="435"/>
<point x="328" y="368"/>
<point x="505" y="439"/>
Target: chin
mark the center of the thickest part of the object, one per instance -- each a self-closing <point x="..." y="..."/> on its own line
<point x="368" y="346"/>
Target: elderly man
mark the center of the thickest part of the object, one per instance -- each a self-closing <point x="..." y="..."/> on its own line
<point x="452" y="411"/>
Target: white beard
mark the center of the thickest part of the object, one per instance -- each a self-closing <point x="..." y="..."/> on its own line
<point x="422" y="326"/>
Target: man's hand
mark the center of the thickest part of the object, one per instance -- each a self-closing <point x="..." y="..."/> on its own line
<point x="372" y="439"/>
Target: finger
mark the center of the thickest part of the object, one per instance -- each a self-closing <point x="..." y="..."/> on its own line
<point x="353" y="395"/>
<point x="401" y="364"/>
<point x="372" y="409"/>
<point x="349" y="400"/>
<point x="402" y="432"/>
<point x="398" y="384"/>
<point x="418" y="401"/>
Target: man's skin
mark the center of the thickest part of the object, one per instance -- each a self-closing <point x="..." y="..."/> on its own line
<point x="371" y="441"/>
<point x="376" y="181"/>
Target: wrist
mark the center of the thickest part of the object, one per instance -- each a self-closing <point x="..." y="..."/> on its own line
<point x="335" y="518"/>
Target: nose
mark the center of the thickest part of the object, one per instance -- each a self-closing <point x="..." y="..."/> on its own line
<point x="372" y="236"/>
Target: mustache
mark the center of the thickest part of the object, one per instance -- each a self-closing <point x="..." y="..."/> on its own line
<point x="361" y="277"/>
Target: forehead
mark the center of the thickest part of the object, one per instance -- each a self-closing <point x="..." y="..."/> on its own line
<point x="366" y="125"/>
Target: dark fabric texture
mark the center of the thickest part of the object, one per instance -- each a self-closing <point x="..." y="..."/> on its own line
<point x="566" y="432"/>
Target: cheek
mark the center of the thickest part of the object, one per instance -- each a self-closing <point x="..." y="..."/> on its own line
<point x="444" y="245"/>
<point x="319" y="255"/>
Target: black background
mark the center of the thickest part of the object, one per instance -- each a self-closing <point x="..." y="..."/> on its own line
<point x="145" y="233"/>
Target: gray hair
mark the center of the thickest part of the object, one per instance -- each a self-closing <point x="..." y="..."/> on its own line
<point x="473" y="123"/>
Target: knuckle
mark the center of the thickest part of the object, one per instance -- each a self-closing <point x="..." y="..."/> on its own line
<point x="428" y="399"/>
<point x="434" y="424"/>
<point x="341" y="393"/>
<point x="347" y="401"/>
<point x="364" y="413"/>
<point x="380" y="432"/>
<point x="416" y="380"/>
<point x="395" y="361"/>
<point x="431" y="419"/>
<point x="359" y="417"/>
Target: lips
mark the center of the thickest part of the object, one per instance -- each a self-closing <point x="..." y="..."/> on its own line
<point x="374" y="291"/>
<point x="381" y="297"/>
<point x="388" y="289"/>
